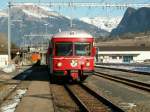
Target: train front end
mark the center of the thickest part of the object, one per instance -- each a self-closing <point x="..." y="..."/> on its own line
<point x="73" y="55"/>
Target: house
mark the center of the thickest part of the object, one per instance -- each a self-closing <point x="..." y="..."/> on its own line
<point x="122" y="54"/>
<point x="3" y="59"/>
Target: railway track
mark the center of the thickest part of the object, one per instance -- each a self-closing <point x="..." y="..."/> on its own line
<point x="90" y="101"/>
<point x="82" y="99"/>
<point x="124" y="70"/>
<point x="129" y="82"/>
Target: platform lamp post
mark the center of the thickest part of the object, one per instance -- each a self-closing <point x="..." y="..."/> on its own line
<point x="9" y="33"/>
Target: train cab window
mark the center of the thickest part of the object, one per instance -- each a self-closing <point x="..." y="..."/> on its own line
<point x="64" y="49"/>
<point x="82" y="49"/>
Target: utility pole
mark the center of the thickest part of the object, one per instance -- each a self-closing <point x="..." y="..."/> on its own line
<point x="71" y="18"/>
<point x="9" y="32"/>
<point x="46" y="31"/>
<point x="71" y="22"/>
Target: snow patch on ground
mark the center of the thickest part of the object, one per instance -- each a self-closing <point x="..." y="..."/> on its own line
<point x="133" y="68"/>
<point x="128" y="105"/>
<point x="140" y="69"/>
<point x="11" y="105"/>
<point x="9" y="68"/>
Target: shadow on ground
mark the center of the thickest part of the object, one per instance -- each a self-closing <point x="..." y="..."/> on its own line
<point x="36" y="72"/>
<point x="39" y="72"/>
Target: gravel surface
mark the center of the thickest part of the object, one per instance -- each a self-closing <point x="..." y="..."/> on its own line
<point x="127" y="97"/>
<point x="90" y="101"/>
<point x="133" y="76"/>
<point x="62" y="100"/>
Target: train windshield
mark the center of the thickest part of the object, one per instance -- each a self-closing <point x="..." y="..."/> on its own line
<point x="64" y="49"/>
<point x="82" y="49"/>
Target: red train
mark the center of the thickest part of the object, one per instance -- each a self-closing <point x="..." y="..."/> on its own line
<point x="71" y="54"/>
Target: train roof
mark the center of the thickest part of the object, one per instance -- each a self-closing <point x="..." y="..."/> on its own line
<point x="73" y="34"/>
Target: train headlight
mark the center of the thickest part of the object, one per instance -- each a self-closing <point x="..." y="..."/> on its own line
<point x="59" y="64"/>
<point x="88" y="64"/>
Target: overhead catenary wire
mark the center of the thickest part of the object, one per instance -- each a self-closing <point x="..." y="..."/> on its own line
<point x="71" y="4"/>
<point x="86" y="4"/>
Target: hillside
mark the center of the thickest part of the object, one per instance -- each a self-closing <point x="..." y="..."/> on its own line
<point x="32" y="20"/>
<point x="134" y="21"/>
<point x="140" y="39"/>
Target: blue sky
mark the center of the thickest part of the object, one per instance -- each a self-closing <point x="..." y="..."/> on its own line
<point x="82" y="12"/>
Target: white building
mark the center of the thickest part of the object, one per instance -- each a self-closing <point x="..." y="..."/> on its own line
<point x="3" y="60"/>
<point x="122" y="54"/>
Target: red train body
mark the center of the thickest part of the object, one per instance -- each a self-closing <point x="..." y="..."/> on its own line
<point x="71" y="54"/>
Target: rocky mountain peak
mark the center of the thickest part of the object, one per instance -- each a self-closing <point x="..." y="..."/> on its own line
<point x="134" y="21"/>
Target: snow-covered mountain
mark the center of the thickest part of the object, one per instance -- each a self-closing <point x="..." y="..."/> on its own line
<point x="34" y="19"/>
<point x="106" y="23"/>
<point x="3" y="14"/>
<point x="37" y="11"/>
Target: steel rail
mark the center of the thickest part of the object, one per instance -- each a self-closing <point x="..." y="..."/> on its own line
<point x="79" y="102"/>
<point x="124" y="70"/>
<point x="102" y="99"/>
<point x="129" y="82"/>
<point x="84" y="107"/>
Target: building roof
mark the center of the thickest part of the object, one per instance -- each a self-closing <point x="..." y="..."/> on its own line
<point x="73" y="34"/>
<point x="123" y="48"/>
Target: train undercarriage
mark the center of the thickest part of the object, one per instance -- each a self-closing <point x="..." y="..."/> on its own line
<point x="70" y="75"/>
